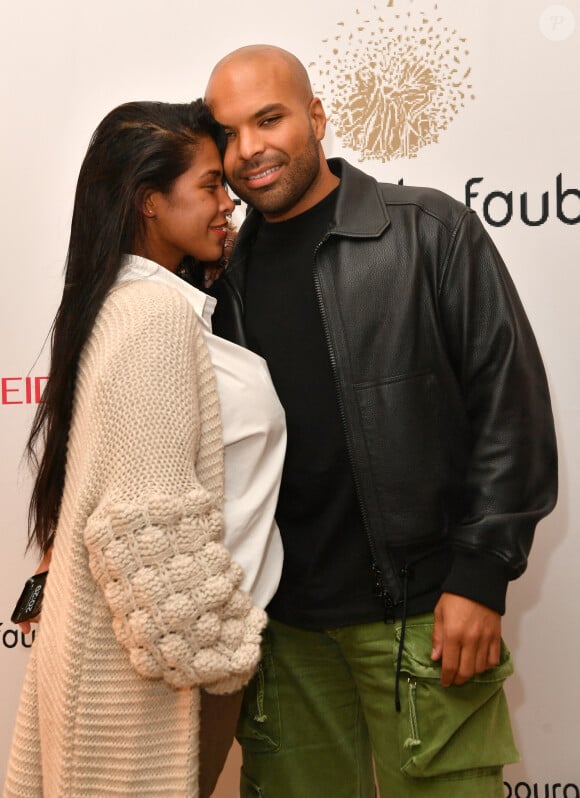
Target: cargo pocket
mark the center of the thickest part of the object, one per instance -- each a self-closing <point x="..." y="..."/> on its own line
<point x="455" y="731"/>
<point x="259" y="724"/>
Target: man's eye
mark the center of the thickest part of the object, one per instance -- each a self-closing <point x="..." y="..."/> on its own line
<point x="229" y="134"/>
<point x="270" y="120"/>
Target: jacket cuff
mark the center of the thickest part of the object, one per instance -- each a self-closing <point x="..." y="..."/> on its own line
<point x="479" y="577"/>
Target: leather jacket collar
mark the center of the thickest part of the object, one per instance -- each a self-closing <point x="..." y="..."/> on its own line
<point x="360" y="209"/>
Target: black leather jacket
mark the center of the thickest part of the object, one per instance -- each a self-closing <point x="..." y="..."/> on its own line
<point x="440" y="384"/>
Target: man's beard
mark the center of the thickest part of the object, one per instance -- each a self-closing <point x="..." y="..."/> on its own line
<point x="283" y="195"/>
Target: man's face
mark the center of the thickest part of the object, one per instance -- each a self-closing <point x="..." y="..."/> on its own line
<point x="272" y="158"/>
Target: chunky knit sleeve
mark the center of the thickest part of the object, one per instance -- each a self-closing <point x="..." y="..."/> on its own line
<point x="172" y="589"/>
<point x="154" y="534"/>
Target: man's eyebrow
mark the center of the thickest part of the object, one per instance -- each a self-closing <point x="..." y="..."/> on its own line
<point x="271" y="108"/>
<point x="264" y="111"/>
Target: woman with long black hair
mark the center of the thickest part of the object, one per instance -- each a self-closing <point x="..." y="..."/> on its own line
<point x="144" y="616"/>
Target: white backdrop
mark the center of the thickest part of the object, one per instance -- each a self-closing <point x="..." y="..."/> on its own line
<point x="461" y="90"/>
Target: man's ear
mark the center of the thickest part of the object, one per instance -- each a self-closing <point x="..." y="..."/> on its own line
<point x="317" y="117"/>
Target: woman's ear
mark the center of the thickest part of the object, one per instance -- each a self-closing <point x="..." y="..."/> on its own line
<point x="147" y="203"/>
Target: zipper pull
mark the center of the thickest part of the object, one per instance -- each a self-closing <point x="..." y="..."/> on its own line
<point x="378" y="584"/>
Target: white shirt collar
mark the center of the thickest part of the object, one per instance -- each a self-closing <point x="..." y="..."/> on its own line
<point x="135" y="267"/>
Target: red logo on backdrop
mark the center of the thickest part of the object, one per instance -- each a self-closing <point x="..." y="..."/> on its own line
<point x="22" y="390"/>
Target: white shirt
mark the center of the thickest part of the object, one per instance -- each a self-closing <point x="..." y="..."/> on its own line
<point x="254" y="431"/>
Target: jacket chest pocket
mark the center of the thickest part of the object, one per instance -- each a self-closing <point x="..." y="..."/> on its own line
<point x="407" y="450"/>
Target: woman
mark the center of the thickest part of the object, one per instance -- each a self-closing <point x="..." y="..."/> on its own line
<point x="143" y="605"/>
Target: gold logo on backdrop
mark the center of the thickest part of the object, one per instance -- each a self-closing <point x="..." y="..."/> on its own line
<point x="393" y="80"/>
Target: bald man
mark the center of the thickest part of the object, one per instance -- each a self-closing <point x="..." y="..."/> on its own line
<point x="421" y="455"/>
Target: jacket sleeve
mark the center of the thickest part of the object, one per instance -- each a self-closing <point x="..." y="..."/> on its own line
<point x="511" y="475"/>
<point x="154" y="537"/>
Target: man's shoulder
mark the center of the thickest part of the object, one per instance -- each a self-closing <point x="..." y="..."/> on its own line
<point x="424" y="200"/>
<point x="420" y="199"/>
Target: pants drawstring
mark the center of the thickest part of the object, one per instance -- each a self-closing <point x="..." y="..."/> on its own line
<point x="405" y="575"/>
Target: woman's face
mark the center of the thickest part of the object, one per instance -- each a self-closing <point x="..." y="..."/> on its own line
<point x="191" y="218"/>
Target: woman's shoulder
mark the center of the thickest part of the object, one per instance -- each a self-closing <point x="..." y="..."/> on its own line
<point x="148" y="295"/>
<point x="146" y="303"/>
<point x="138" y="312"/>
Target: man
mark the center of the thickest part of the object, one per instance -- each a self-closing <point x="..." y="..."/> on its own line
<point x="420" y="457"/>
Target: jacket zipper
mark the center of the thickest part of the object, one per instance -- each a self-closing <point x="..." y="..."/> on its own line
<point x="379" y="584"/>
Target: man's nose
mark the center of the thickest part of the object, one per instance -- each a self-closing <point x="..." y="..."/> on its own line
<point x="250" y="143"/>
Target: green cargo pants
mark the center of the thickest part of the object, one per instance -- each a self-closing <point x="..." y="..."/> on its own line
<point x="320" y="712"/>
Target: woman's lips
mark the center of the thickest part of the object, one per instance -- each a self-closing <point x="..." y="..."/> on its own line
<point x="221" y="230"/>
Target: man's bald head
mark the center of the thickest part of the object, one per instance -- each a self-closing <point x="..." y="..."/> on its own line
<point x="266" y="57"/>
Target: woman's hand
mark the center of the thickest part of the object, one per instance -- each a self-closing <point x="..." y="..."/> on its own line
<point x="212" y="271"/>
<point x="42" y="566"/>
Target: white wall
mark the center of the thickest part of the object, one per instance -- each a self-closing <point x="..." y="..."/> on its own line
<point x="65" y="64"/>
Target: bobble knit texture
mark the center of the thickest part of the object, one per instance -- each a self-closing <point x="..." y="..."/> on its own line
<point x="142" y="606"/>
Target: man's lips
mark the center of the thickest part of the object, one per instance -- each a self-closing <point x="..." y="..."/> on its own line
<point x="261" y="177"/>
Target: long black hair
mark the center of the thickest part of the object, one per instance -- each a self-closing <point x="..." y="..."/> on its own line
<point x="137" y="147"/>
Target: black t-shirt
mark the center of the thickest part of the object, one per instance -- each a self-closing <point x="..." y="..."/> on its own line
<point x="327" y="578"/>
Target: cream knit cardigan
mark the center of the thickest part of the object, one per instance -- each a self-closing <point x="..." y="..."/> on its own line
<point x="142" y="605"/>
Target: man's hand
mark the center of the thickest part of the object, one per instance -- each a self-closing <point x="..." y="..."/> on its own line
<point x="42" y="566"/>
<point x="466" y="638"/>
